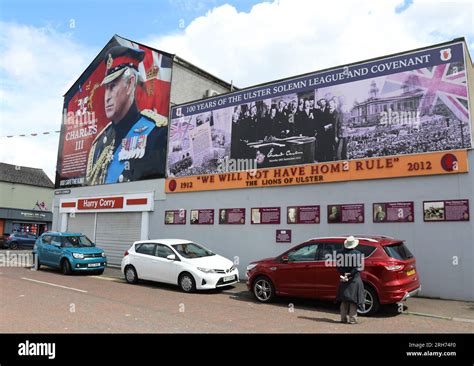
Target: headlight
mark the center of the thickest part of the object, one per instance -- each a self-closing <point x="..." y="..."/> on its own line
<point x="78" y="255"/>
<point x="251" y="266"/>
<point x="206" y="270"/>
<point x="103" y="254"/>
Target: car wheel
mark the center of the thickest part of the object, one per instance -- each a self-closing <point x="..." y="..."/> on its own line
<point x="263" y="289"/>
<point x="371" y="302"/>
<point x="14" y="245"/>
<point x="131" y="274"/>
<point x="187" y="283"/>
<point x="65" y="267"/>
<point x="38" y="264"/>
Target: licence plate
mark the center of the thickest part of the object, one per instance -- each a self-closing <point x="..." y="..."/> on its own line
<point x="411" y="273"/>
<point x="229" y="278"/>
<point x="93" y="265"/>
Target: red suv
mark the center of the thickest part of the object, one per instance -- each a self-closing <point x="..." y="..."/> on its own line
<point x="309" y="270"/>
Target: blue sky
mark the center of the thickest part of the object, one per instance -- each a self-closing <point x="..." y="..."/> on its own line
<point x="45" y="45"/>
<point x="94" y="22"/>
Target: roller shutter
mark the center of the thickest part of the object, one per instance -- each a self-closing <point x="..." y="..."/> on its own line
<point x="116" y="232"/>
<point x="82" y="223"/>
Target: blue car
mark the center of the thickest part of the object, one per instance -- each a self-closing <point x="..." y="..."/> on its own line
<point x="19" y="241"/>
<point x="70" y="252"/>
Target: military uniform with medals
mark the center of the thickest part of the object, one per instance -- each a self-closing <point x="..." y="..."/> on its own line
<point x="133" y="148"/>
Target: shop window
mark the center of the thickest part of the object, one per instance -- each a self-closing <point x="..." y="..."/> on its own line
<point x="25" y="228"/>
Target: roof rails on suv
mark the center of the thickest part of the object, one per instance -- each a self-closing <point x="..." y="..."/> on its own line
<point x="372" y="240"/>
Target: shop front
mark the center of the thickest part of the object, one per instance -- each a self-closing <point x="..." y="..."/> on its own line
<point x="112" y="222"/>
<point x="24" y="221"/>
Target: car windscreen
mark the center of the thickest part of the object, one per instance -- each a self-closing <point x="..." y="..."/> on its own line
<point x="76" y="242"/>
<point x="398" y="251"/>
<point x="192" y="250"/>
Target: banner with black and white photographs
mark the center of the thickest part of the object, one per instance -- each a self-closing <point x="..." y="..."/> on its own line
<point x="411" y="103"/>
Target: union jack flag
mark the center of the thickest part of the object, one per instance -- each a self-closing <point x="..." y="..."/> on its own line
<point x="179" y="129"/>
<point x="42" y="206"/>
<point x="440" y="83"/>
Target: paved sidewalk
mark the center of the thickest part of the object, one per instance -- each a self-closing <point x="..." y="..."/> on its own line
<point x="452" y="310"/>
<point x="107" y="304"/>
<point x="415" y="306"/>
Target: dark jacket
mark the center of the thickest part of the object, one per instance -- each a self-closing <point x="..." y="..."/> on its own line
<point x="353" y="290"/>
<point x="280" y="125"/>
<point x="135" y="123"/>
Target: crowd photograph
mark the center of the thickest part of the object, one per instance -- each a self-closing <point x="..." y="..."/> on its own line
<point x="280" y="120"/>
<point x="343" y="122"/>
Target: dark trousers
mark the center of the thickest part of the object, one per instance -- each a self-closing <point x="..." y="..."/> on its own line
<point x="348" y="309"/>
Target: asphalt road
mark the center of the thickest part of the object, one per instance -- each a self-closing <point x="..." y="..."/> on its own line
<point x="45" y="301"/>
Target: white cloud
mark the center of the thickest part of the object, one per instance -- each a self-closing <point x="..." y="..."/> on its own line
<point x="288" y="37"/>
<point x="37" y="67"/>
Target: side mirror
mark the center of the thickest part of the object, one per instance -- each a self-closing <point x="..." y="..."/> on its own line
<point x="284" y="259"/>
<point x="171" y="257"/>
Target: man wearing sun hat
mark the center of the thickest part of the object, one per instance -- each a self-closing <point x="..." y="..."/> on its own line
<point x="132" y="146"/>
<point x="351" y="289"/>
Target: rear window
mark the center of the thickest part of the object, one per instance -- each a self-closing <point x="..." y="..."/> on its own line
<point x="366" y="250"/>
<point x="398" y="251"/>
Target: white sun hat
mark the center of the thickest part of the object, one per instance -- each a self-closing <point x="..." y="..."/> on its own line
<point x="351" y="242"/>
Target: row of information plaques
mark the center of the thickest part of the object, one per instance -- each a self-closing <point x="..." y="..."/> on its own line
<point x="382" y="212"/>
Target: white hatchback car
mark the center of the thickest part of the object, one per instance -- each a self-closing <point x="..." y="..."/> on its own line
<point x="179" y="262"/>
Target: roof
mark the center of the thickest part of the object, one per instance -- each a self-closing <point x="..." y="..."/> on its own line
<point x="187" y="65"/>
<point x="24" y="175"/>
<point x="58" y="233"/>
<point x="381" y="239"/>
<point x="206" y="74"/>
<point x="165" y="241"/>
<point x="119" y="40"/>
